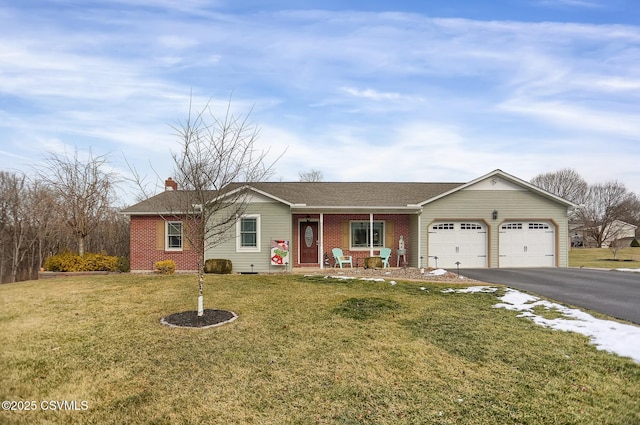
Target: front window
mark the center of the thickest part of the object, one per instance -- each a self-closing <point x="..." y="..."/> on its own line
<point x="174" y="236"/>
<point x="361" y="234"/>
<point x="248" y="232"/>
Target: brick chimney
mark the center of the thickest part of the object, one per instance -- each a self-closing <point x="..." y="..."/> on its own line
<point x="170" y="184"/>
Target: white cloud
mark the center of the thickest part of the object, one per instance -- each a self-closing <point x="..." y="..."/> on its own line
<point x="577" y="118"/>
<point x="372" y="94"/>
<point x="347" y="92"/>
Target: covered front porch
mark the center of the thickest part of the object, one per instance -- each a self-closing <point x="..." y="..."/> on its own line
<point x="359" y="235"/>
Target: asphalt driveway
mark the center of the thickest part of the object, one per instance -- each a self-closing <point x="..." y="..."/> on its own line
<point x="614" y="293"/>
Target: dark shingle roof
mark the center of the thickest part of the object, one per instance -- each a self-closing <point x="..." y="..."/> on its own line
<point x="317" y="194"/>
<point x="366" y="194"/>
<point x="169" y="201"/>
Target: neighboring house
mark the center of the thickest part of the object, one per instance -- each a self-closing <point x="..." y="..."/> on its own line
<point x="582" y="236"/>
<point x="496" y="220"/>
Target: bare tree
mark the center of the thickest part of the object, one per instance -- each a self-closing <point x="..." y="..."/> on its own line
<point x="604" y="204"/>
<point x="83" y="188"/>
<point x="111" y="235"/>
<point x="616" y="245"/>
<point x="565" y="183"/>
<point x="311" y="176"/>
<point x="19" y="236"/>
<point x="5" y="240"/>
<point x="43" y="224"/>
<point x="217" y="158"/>
<point x="14" y="188"/>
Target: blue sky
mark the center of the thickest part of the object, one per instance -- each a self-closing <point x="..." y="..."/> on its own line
<point x="360" y="90"/>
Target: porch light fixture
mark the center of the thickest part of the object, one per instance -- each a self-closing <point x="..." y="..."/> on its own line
<point x="308" y="218"/>
<point x="495" y="214"/>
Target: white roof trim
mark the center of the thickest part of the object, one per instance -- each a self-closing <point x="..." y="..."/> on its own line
<point x="360" y="207"/>
<point x="507" y="177"/>
<point x="261" y="192"/>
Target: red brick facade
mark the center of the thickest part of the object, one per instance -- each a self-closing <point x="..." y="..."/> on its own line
<point x="147" y="240"/>
<point x="147" y="245"/>
<point x="334" y="234"/>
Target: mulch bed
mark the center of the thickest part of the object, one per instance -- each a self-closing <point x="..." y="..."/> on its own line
<point x="190" y="319"/>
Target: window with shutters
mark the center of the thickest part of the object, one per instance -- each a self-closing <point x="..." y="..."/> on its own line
<point x="173" y="240"/>
<point x="361" y="234"/>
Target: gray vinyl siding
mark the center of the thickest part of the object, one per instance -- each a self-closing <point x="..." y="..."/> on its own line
<point x="511" y="205"/>
<point x="275" y="223"/>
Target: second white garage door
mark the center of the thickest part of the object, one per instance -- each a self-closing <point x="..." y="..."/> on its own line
<point x="454" y="241"/>
<point x="527" y="244"/>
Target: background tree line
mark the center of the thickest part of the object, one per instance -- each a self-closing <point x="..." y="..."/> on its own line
<point x="600" y="205"/>
<point x="67" y="204"/>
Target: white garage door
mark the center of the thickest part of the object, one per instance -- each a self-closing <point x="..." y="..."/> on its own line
<point x="455" y="241"/>
<point x="527" y="244"/>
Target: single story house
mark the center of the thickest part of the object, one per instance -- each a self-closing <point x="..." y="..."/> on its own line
<point x="496" y="220"/>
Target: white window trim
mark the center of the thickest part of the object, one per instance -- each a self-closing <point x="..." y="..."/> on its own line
<point x="166" y="236"/>
<point x="239" y="247"/>
<point x="367" y="248"/>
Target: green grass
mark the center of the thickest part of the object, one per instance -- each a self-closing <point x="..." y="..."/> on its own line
<point x="603" y="258"/>
<point x="303" y="351"/>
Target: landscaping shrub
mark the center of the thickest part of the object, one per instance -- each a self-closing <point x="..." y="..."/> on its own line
<point x="218" y="266"/>
<point x="165" y="267"/>
<point x="100" y="262"/>
<point x="63" y="262"/>
<point x="90" y="262"/>
<point x="124" y="265"/>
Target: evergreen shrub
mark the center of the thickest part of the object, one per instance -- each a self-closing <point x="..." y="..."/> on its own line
<point x="165" y="267"/>
<point x="218" y="266"/>
<point x="89" y="262"/>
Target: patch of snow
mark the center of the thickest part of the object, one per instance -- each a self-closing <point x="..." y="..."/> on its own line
<point x="629" y="270"/>
<point x="437" y="272"/>
<point x="471" y="290"/>
<point x="393" y="282"/>
<point x="607" y="335"/>
<point x="340" y="277"/>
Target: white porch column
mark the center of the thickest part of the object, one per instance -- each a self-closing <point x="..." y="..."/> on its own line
<point x="321" y="239"/>
<point x="370" y="234"/>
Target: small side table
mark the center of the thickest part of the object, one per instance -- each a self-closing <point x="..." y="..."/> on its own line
<point x="401" y="253"/>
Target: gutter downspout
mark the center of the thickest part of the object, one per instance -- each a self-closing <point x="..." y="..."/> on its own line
<point x="420" y="265"/>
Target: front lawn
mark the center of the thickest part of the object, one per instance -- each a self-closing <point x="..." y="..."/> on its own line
<point x="303" y="351"/>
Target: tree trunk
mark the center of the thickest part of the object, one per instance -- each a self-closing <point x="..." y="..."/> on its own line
<point x="200" y="288"/>
<point x="80" y="245"/>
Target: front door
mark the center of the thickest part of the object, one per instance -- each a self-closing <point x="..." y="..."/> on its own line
<point x="309" y="243"/>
